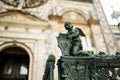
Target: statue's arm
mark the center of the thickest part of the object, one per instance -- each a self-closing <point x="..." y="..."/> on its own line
<point x="74" y="34"/>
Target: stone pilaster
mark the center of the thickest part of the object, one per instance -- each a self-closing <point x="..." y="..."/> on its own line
<point x="104" y="27"/>
<point x="97" y="36"/>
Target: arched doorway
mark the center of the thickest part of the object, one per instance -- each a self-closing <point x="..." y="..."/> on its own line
<point x="14" y="63"/>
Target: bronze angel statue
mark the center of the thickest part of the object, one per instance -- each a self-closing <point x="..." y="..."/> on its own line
<point x="73" y="35"/>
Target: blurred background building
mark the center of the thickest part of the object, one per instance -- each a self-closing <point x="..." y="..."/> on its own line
<point x="28" y="31"/>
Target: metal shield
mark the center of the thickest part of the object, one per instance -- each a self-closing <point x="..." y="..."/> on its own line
<point x="64" y="44"/>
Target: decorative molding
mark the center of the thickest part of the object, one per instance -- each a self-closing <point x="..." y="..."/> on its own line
<point x="21" y="4"/>
<point x="21" y="19"/>
<point x="24" y="14"/>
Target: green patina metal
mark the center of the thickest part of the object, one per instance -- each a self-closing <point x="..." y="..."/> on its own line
<point x="96" y="67"/>
<point x="49" y="68"/>
<point x="77" y="64"/>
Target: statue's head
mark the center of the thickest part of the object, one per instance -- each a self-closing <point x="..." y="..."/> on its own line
<point x="51" y="58"/>
<point x="68" y="26"/>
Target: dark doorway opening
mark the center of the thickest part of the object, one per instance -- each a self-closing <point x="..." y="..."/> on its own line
<point x="14" y="64"/>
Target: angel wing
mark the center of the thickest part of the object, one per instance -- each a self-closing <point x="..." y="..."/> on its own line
<point x="80" y="32"/>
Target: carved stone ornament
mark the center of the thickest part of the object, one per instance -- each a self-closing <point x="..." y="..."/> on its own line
<point x="25" y="3"/>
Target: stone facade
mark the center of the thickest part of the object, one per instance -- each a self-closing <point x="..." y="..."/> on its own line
<point x="35" y="30"/>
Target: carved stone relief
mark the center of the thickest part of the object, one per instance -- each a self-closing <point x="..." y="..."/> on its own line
<point x="25" y="3"/>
